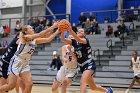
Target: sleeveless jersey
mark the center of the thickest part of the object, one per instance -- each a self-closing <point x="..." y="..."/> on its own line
<point x="82" y="51"/>
<point x="136" y="64"/>
<point x="71" y="63"/>
<point x="10" y="51"/>
<point x="25" y="51"/>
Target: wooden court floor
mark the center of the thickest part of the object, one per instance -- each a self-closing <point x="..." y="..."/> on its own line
<point x="73" y="89"/>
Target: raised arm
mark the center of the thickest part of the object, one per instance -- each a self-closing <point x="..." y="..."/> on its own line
<point x="44" y="32"/>
<point x="63" y="51"/>
<point x="47" y="40"/>
<point x="65" y="40"/>
<point x="78" y="39"/>
<point x="130" y="65"/>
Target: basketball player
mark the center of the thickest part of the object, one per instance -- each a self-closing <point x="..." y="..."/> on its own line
<point x="87" y="65"/>
<point x="67" y="72"/>
<point x="19" y="65"/>
<point x="135" y="65"/>
<point x="5" y="60"/>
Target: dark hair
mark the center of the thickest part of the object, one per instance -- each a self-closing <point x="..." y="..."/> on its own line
<point x="135" y="51"/>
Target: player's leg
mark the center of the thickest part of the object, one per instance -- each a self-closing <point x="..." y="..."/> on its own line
<point x="93" y="86"/>
<point x="21" y="84"/>
<point x="65" y="84"/>
<point x="12" y="80"/>
<point x="55" y="86"/>
<point x="26" y="77"/>
<point x="70" y="76"/>
<point x="17" y="88"/>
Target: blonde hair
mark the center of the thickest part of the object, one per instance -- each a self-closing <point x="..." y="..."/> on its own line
<point x="24" y="29"/>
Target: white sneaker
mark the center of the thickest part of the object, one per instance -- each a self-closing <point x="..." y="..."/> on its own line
<point x="127" y="91"/>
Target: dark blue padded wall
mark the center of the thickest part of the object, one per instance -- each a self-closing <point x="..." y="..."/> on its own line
<point x="128" y="3"/>
<point x="77" y="6"/>
<point x="93" y="5"/>
<point x="57" y="7"/>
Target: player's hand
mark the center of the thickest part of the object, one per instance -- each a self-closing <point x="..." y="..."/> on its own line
<point x="55" y="25"/>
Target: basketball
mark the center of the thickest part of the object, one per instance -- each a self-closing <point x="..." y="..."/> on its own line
<point x="63" y="25"/>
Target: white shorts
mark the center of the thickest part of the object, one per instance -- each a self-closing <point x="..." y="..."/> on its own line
<point x="18" y="65"/>
<point x="137" y="73"/>
<point x="66" y="73"/>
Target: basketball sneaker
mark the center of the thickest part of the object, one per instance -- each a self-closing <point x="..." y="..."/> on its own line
<point x="127" y="91"/>
<point x="110" y="90"/>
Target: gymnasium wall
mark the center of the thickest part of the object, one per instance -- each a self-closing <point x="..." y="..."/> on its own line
<point x="128" y="3"/>
<point x="92" y="5"/>
<point x="57" y="7"/>
<point x="77" y="6"/>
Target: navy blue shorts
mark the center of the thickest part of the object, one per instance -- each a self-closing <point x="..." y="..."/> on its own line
<point x="89" y="66"/>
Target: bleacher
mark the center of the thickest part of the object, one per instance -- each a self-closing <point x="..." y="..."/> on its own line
<point x="114" y="68"/>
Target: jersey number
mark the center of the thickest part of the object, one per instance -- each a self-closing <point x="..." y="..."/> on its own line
<point x="79" y="54"/>
<point x="31" y="51"/>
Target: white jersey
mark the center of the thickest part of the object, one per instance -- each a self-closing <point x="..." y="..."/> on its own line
<point x="136" y="66"/>
<point x="71" y="63"/>
<point x="20" y="61"/>
<point x="25" y="51"/>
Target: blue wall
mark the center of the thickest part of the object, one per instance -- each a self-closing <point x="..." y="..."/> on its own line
<point x="93" y="5"/>
<point x="128" y="3"/>
<point x="57" y="7"/>
<point x="77" y="6"/>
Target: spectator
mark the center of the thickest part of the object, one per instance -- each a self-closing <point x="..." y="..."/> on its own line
<point x="91" y="17"/>
<point x="94" y="28"/>
<point x="135" y="65"/>
<point x="56" y="62"/>
<point x="39" y="28"/>
<point x="1" y="31"/>
<point x="106" y="19"/>
<point x="36" y="22"/>
<point x="121" y="30"/>
<point x="44" y="21"/>
<point x="109" y="31"/>
<point x="74" y="27"/>
<point x="82" y="19"/>
<point x="18" y="27"/>
<point x="7" y="30"/>
<point x="30" y="21"/>
<point x="87" y="26"/>
<point x="48" y="23"/>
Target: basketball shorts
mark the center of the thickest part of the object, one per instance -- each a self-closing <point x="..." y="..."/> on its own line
<point x="88" y="66"/>
<point x="66" y="73"/>
<point x="18" y="65"/>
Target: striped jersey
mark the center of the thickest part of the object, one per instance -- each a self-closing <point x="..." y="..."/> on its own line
<point x="82" y="51"/>
<point x="25" y="51"/>
<point x="10" y="51"/>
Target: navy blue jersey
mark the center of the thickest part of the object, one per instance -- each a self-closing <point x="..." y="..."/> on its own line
<point x="10" y="51"/>
<point x="82" y="51"/>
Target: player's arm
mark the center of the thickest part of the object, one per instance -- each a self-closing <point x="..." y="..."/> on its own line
<point x="63" y="51"/>
<point x="71" y="52"/>
<point x="47" y="40"/>
<point x="65" y="40"/>
<point x="130" y="65"/>
<point x="78" y="39"/>
<point x="43" y="33"/>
